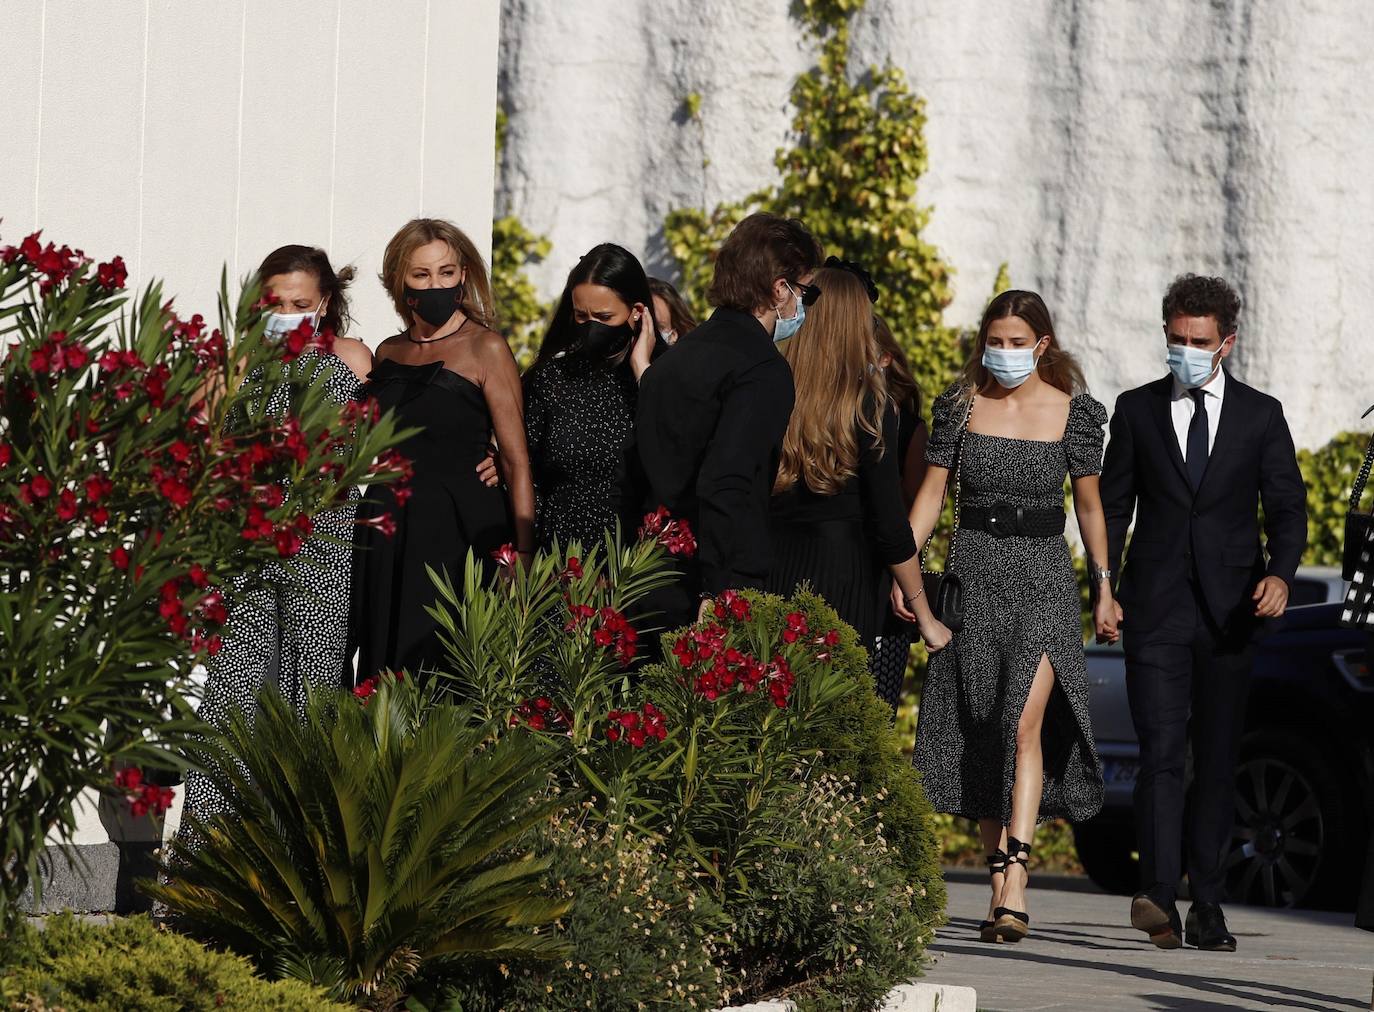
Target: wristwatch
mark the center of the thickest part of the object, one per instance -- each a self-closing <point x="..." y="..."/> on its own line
<point x="1098" y="574"/>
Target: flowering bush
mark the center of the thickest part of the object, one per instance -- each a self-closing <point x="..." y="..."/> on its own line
<point x="145" y="466"/>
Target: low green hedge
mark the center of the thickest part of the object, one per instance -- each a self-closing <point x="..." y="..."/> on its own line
<point x="132" y="964"/>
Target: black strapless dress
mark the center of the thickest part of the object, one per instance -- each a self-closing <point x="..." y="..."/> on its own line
<point x="449" y="513"/>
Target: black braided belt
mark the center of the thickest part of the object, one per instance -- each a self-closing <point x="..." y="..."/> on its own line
<point x="1003" y="520"/>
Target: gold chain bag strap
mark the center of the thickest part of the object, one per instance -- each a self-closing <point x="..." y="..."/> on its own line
<point x="943" y="590"/>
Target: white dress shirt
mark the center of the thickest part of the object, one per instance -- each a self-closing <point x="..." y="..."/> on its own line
<point x="1183" y="406"/>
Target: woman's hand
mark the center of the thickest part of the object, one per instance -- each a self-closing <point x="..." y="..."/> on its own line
<point x="488" y="469"/>
<point x="935" y="634"/>
<point x="1107" y="617"/>
<point x="642" y="353"/>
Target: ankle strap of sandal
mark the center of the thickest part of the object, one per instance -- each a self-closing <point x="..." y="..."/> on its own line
<point x="997" y="862"/>
<point x="1018" y="852"/>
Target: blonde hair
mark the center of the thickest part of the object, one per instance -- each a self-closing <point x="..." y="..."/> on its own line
<point x="476" y="300"/>
<point x="1056" y="366"/>
<point x="840" y="389"/>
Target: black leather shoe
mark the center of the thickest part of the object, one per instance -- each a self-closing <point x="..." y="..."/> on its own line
<point x="1207" y="928"/>
<point x="1155" y="913"/>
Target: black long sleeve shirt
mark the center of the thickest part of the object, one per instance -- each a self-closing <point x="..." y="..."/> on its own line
<point x="711" y="417"/>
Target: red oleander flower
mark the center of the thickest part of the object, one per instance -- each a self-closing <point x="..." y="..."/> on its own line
<point x="129" y="779"/>
<point x="98" y="487"/>
<point x="197" y="575"/>
<point x="288" y="542"/>
<point x="179" y="452"/>
<point x="732" y="604"/>
<point x="100" y="516"/>
<point x="365" y="689"/>
<point x="38" y="487"/>
<point x="506" y="557"/>
<point x="6" y="455"/>
<point x="796" y="627"/>
<point x="573" y="570"/>
<point x="111" y="275"/>
<point x="119" y="558"/>
<point x="66" y="505"/>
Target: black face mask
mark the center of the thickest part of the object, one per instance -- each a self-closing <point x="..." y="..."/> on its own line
<point x="600" y="340"/>
<point x="434" y="305"/>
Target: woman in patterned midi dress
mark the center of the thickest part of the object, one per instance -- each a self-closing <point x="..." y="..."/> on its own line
<point x="291" y="629"/>
<point x="1004" y="736"/>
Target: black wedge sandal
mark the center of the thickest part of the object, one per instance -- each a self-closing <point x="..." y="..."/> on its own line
<point x="1013" y="925"/>
<point x="997" y="865"/>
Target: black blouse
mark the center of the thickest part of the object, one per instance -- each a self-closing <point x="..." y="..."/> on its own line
<point x="873" y="495"/>
<point x="579" y="421"/>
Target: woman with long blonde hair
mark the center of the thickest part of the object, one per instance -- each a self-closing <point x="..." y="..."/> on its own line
<point x="837" y="513"/>
<point x="1004" y="736"/>
<point x="454" y="378"/>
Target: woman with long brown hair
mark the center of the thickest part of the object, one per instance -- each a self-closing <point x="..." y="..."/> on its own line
<point x="892" y="648"/>
<point x="449" y="374"/>
<point x="1004" y="735"/>
<point x="837" y="512"/>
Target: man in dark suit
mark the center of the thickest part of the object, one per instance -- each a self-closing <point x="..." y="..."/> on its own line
<point x="1195" y="455"/>
<point x="713" y="410"/>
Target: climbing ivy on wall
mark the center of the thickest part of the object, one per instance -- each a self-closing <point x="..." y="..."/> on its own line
<point x="1330" y="473"/>
<point x="513" y="248"/>
<point x="850" y="173"/>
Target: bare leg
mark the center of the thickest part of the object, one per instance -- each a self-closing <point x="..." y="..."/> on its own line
<point x="1030" y="779"/>
<point x="994" y="837"/>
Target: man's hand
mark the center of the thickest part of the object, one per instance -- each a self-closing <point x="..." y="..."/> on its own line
<point x="1272" y="597"/>
<point x="706" y="609"/>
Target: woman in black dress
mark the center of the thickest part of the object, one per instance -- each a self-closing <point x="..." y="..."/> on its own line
<point x="453" y="377"/>
<point x="580" y="398"/>
<point x="893" y="646"/>
<point x="1004" y="736"/>
<point x="837" y="513"/>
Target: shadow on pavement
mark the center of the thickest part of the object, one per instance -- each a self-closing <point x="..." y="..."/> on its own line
<point x="1241" y="990"/>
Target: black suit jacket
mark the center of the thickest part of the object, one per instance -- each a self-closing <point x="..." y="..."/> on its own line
<point x="1212" y="537"/>
<point x="711" y="417"/>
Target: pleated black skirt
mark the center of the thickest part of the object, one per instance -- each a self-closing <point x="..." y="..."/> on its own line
<point x="836" y="559"/>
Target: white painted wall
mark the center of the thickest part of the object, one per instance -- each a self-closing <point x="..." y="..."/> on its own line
<point x="190" y="134"/>
<point x="1099" y="147"/>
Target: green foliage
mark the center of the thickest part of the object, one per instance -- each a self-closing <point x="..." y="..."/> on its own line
<point x="857" y="740"/>
<point x="851" y="174"/>
<point x="642" y="931"/>
<point x="367" y="839"/>
<point x="137" y="451"/>
<point x="513" y="248"/>
<point x="131" y="964"/>
<point x="829" y="915"/>
<point x="1330" y="474"/>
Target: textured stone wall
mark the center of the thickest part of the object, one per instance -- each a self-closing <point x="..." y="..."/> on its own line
<point x="1099" y="148"/>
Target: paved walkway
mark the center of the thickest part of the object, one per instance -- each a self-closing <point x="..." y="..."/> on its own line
<point x="1082" y="956"/>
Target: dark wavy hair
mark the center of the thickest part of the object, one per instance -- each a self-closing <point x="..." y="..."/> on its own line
<point x="1195" y="295"/>
<point x="314" y="261"/>
<point x="611" y="266"/>
<point x="680" y="315"/>
<point x="762" y="248"/>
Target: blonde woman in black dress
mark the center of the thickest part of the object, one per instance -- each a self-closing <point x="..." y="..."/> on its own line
<point x="1003" y="736"/>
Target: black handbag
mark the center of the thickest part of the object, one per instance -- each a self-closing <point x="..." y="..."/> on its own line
<point x="1357" y="525"/>
<point x="943" y="589"/>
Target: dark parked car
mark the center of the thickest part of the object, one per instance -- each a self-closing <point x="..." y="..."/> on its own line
<point x="1305" y="780"/>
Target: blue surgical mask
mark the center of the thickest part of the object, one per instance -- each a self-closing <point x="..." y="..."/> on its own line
<point x="1010" y="367"/>
<point x="281" y="324"/>
<point x="788" y="328"/>
<point x="1192" y="367"/>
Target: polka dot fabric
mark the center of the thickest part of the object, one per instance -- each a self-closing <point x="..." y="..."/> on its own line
<point x="579" y="421"/>
<point x="1022" y="602"/>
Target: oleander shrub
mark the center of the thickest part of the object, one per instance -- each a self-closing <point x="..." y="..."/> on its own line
<point x="132" y="964"/>
<point x="377" y="835"/>
<point x="828" y="917"/>
<point x="147" y="469"/>
<point x="1330" y="473"/>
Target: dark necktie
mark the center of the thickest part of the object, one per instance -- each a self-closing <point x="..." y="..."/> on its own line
<point x="1197" y="440"/>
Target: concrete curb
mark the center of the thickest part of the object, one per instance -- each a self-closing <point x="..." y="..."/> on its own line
<point x="906" y="998"/>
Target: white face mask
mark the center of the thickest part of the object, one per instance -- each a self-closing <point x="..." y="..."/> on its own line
<point x="281" y="324"/>
<point x="1010" y="367"/>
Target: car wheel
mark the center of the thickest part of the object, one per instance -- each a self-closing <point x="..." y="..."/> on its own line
<point x="1292" y="819"/>
<point x="1107" y="850"/>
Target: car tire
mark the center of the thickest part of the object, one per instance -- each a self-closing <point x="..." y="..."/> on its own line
<point x="1107" y="850"/>
<point x="1297" y="821"/>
